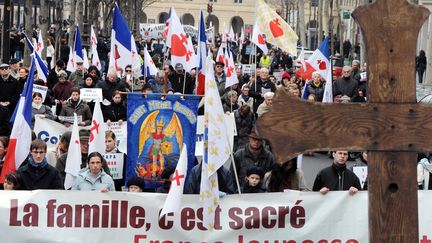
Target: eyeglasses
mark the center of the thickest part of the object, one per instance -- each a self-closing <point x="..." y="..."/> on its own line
<point x="4" y="68"/>
<point x="38" y="152"/>
<point x="128" y="71"/>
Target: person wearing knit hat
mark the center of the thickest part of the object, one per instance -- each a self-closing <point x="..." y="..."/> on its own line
<point x="254" y="176"/>
<point x="136" y="184"/>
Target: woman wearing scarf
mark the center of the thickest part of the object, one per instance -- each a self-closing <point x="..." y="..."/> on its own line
<point x="39" y="109"/>
<point x="244" y="98"/>
<point x="35" y="172"/>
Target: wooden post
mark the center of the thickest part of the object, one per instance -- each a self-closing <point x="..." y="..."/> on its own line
<point x="391" y="126"/>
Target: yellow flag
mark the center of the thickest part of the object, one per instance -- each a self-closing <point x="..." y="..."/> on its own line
<point x="276" y="30"/>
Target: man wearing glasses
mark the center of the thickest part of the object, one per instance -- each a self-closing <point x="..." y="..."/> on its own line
<point x="36" y="173"/>
<point x="9" y="89"/>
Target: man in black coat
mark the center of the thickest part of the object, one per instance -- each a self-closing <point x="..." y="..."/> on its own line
<point x="9" y="89"/>
<point x="337" y="177"/>
<point x="111" y="84"/>
<point x="5" y="128"/>
<point x="178" y="80"/>
<point x="35" y="171"/>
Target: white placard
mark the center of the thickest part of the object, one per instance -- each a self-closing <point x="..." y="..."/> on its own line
<point x="40" y="89"/>
<point x="91" y="94"/>
<point x="115" y="163"/>
<point x="361" y="172"/>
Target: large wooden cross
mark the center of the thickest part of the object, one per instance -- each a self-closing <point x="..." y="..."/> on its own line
<point x="391" y="126"/>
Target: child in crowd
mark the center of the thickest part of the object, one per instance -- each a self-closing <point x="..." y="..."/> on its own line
<point x="254" y="176"/>
<point x="136" y="184"/>
<point x="12" y="182"/>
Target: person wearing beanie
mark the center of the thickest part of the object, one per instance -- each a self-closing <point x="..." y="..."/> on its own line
<point x="136" y="184"/>
<point x="254" y="176"/>
<point x="337" y="177"/>
<point x="166" y="175"/>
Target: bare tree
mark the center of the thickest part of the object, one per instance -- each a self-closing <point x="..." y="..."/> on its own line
<point x="59" y="23"/>
<point x="301" y="22"/>
<point x="72" y="22"/>
<point x="43" y="23"/>
<point x="28" y="29"/>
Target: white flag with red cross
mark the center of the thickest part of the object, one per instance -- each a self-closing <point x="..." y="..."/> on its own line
<point x="149" y="65"/>
<point x="73" y="160"/>
<point x="97" y="131"/>
<point x="231" y="75"/>
<point x="95" y="56"/>
<point x="220" y="57"/>
<point x="174" y="198"/>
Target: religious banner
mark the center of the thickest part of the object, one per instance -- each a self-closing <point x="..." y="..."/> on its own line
<point x="291" y="217"/>
<point x="157" y="128"/>
<point x="115" y="163"/>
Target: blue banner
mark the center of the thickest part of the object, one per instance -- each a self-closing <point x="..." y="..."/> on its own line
<point x="157" y="129"/>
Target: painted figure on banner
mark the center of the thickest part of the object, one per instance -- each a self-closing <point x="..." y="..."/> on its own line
<point x="157" y="129"/>
<point x="156" y="143"/>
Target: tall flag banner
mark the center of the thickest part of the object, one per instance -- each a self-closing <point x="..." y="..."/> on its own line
<point x="174" y="197"/>
<point x="41" y="67"/>
<point x="320" y="62"/>
<point x="276" y="30"/>
<point x="121" y="42"/>
<point x="220" y="57"/>
<point x="258" y="39"/>
<point x="95" y="61"/>
<point x="77" y="49"/>
<point x="149" y="65"/>
<point x="202" y="55"/>
<point x="97" y="130"/>
<point x="21" y="135"/>
<point x="73" y="160"/>
<point x="305" y="92"/>
<point x="232" y="35"/>
<point x="179" y="43"/>
<point x="136" y="60"/>
<point x="166" y="29"/>
<point x="157" y="130"/>
<point x="193" y="62"/>
<point x="242" y="39"/>
<point x="218" y="148"/>
<point x="86" y="60"/>
<point x="301" y="59"/>
<point x="71" y="67"/>
<point x="39" y="44"/>
<point x="231" y="75"/>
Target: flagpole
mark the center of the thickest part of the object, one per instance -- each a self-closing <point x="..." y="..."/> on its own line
<point x="235" y="173"/>
<point x="184" y="81"/>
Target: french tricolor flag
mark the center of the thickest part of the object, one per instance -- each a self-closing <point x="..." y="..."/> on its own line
<point x="202" y="55"/>
<point x="21" y="136"/>
<point x="320" y="62"/>
<point x="41" y="67"/>
<point x="77" y="50"/>
<point x="121" y="42"/>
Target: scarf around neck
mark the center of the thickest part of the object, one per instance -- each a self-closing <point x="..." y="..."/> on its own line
<point x="33" y="164"/>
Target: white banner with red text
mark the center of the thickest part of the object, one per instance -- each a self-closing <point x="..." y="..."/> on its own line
<point x="293" y="217"/>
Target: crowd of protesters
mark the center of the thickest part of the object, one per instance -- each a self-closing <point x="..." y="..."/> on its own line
<point x="248" y="100"/>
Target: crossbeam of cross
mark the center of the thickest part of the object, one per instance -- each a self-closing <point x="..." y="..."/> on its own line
<point x="391" y="126"/>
